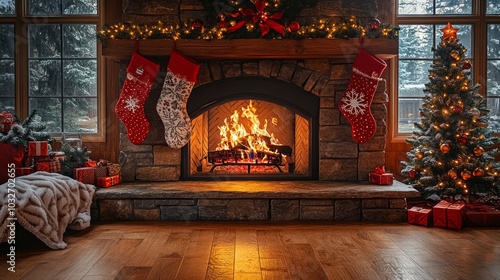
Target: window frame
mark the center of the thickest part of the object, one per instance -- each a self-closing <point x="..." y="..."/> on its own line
<point x="478" y="20"/>
<point x="21" y="21"/>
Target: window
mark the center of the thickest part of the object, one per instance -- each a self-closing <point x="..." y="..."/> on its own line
<point x="420" y="22"/>
<point x="49" y="63"/>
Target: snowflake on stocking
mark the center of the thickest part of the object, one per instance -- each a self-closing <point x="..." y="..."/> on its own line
<point x="132" y="104"/>
<point x="354" y="102"/>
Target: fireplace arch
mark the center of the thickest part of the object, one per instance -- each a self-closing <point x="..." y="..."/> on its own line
<point x="305" y="105"/>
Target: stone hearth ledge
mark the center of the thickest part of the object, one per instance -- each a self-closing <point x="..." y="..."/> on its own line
<point x="255" y="189"/>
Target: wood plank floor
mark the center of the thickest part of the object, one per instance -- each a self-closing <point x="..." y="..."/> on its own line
<point x="251" y="250"/>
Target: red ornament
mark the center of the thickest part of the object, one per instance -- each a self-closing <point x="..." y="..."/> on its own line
<point x="412" y="173"/>
<point x="374" y="23"/>
<point x="197" y="24"/>
<point x="458" y="109"/>
<point x="462" y="140"/>
<point x="466" y="175"/>
<point x="222" y="23"/>
<point x="294" y="26"/>
<point x="467" y="65"/>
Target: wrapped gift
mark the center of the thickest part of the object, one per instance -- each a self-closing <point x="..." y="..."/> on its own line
<point x="439" y="213"/>
<point x="100" y="171"/>
<point x="455" y="215"/>
<point x="38" y="148"/>
<point x="381" y="177"/>
<point x="420" y="216"/>
<point x="482" y="215"/>
<point x="90" y="163"/>
<point x="42" y="166"/>
<point x="6" y="121"/>
<point x="114" y="169"/>
<point x="10" y="154"/>
<point x="20" y="171"/>
<point x="84" y="174"/>
<point x="106" y="182"/>
<point x="59" y="155"/>
<point x="55" y="165"/>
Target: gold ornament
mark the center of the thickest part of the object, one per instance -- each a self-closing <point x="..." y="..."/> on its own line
<point x="445" y="148"/>
<point x="482" y="124"/>
<point x="478" y="151"/>
<point x="466" y="175"/>
<point x="419" y="155"/>
<point x="452" y="173"/>
<point x="475" y="113"/>
<point x="455" y="54"/>
<point x="478" y="172"/>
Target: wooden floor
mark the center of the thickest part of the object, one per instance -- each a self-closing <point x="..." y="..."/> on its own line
<point x="247" y="250"/>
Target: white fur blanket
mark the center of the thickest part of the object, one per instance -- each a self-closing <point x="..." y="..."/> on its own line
<point x="46" y="204"/>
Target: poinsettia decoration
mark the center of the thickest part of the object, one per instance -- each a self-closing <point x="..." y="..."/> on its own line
<point x="259" y="16"/>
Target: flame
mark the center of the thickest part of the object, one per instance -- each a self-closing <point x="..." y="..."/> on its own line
<point x="234" y="134"/>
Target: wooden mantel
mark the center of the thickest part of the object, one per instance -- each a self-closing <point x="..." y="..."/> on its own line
<point x="252" y="48"/>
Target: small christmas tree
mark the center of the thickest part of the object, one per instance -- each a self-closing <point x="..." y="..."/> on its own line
<point x="450" y="154"/>
<point x="31" y="129"/>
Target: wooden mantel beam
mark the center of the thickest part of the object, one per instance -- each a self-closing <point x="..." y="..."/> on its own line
<point x="252" y="48"/>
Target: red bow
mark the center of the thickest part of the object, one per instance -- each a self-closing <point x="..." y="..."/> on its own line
<point x="5" y="118"/>
<point x="265" y="20"/>
<point x="380" y="170"/>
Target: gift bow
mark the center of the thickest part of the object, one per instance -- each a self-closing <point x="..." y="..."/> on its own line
<point x="265" y="20"/>
<point x="5" y="118"/>
<point x="380" y="170"/>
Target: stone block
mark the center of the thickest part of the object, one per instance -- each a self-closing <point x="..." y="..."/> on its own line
<point x="367" y="163"/>
<point x="318" y="64"/>
<point x="127" y="146"/>
<point x="203" y="75"/>
<point x="385" y="215"/>
<point x="338" y="150"/>
<point x="338" y="169"/>
<point x="158" y="173"/>
<point x="236" y="210"/>
<point x="275" y="69"/>
<point x="328" y="90"/>
<point x="265" y="67"/>
<point x="329" y="116"/>
<point x="144" y="203"/>
<point x="284" y="210"/>
<point x="317" y="213"/>
<point x="311" y="81"/>
<point x="377" y="143"/>
<point x="327" y="102"/>
<point x="147" y="214"/>
<point x="213" y="202"/>
<point x="116" y="210"/>
<point x="164" y="155"/>
<point x="382" y="203"/>
<point x="316" y="202"/>
<point x="321" y="83"/>
<point x="128" y="166"/>
<point x="174" y="202"/>
<point x="250" y="69"/>
<point x="300" y="76"/>
<point x="347" y="210"/>
<point x="335" y="133"/>
<point x="179" y="213"/>
<point x="340" y="72"/>
<point x="399" y="203"/>
<point x="231" y="70"/>
<point x="286" y="72"/>
<point x="143" y="159"/>
<point x="215" y="70"/>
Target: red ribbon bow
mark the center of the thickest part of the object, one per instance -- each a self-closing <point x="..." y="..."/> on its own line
<point x="265" y="20"/>
<point x="5" y="118"/>
<point x="380" y="170"/>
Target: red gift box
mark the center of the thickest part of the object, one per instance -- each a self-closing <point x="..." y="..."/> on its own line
<point x="84" y="174"/>
<point x="380" y="177"/>
<point x="90" y="163"/>
<point x="38" y="148"/>
<point x="100" y="171"/>
<point x="114" y="169"/>
<point x="42" y="166"/>
<point x="20" y="171"/>
<point x="482" y="215"/>
<point x="420" y="216"/>
<point x="55" y="166"/>
<point x="439" y="213"/>
<point x="5" y="122"/>
<point x="455" y="215"/>
<point x="57" y="155"/>
<point x="106" y="182"/>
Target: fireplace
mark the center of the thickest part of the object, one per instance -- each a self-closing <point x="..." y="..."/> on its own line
<point x="273" y="125"/>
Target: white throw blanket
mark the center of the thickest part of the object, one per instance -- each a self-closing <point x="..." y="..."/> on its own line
<point x="46" y="204"/>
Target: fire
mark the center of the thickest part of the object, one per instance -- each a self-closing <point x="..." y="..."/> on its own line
<point x="251" y="137"/>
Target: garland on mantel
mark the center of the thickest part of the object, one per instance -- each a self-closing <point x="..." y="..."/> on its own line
<point x="252" y="19"/>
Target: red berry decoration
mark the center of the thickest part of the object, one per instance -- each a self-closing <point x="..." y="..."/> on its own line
<point x="294" y="26"/>
<point x="222" y="22"/>
<point x="197" y="24"/>
<point x="458" y="109"/>
<point x="412" y="173"/>
<point x="374" y="23"/>
<point x="467" y="65"/>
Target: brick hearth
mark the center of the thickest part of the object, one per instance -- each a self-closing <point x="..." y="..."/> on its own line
<point x="252" y="200"/>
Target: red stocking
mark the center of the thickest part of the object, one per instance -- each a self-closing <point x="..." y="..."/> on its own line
<point x="356" y="101"/>
<point x="141" y="74"/>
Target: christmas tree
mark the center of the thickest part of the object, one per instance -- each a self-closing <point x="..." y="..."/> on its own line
<point x="451" y="154"/>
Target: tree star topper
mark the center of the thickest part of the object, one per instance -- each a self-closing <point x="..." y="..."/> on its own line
<point x="449" y="31"/>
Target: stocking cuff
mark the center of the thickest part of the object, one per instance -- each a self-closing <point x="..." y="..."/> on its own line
<point x="183" y="66"/>
<point x="142" y="68"/>
<point x="369" y="64"/>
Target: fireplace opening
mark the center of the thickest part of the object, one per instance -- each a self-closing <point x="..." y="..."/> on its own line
<point x="252" y="128"/>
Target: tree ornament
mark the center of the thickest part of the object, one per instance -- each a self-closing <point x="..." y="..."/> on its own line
<point x="294" y="26"/>
<point x="466" y="175"/>
<point x="478" y="151"/>
<point x="419" y="155"/>
<point x="197" y="25"/>
<point x="449" y="32"/>
<point x="455" y="54"/>
<point x="452" y="173"/>
<point x="462" y="140"/>
<point x="222" y="23"/>
<point x="478" y="172"/>
<point x="458" y="109"/>
<point x="467" y="65"/>
<point x="374" y="24"/>
<point x="482" y="124"/>
<point x="475" y="113"/>
<point x="445" y="148"/>
<point x="412" y="173"/>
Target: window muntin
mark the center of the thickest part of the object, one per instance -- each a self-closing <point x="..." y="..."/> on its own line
<point x="435" y="7"/>
<point x="7" y="68"/>
<point x="62" y="7"/>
